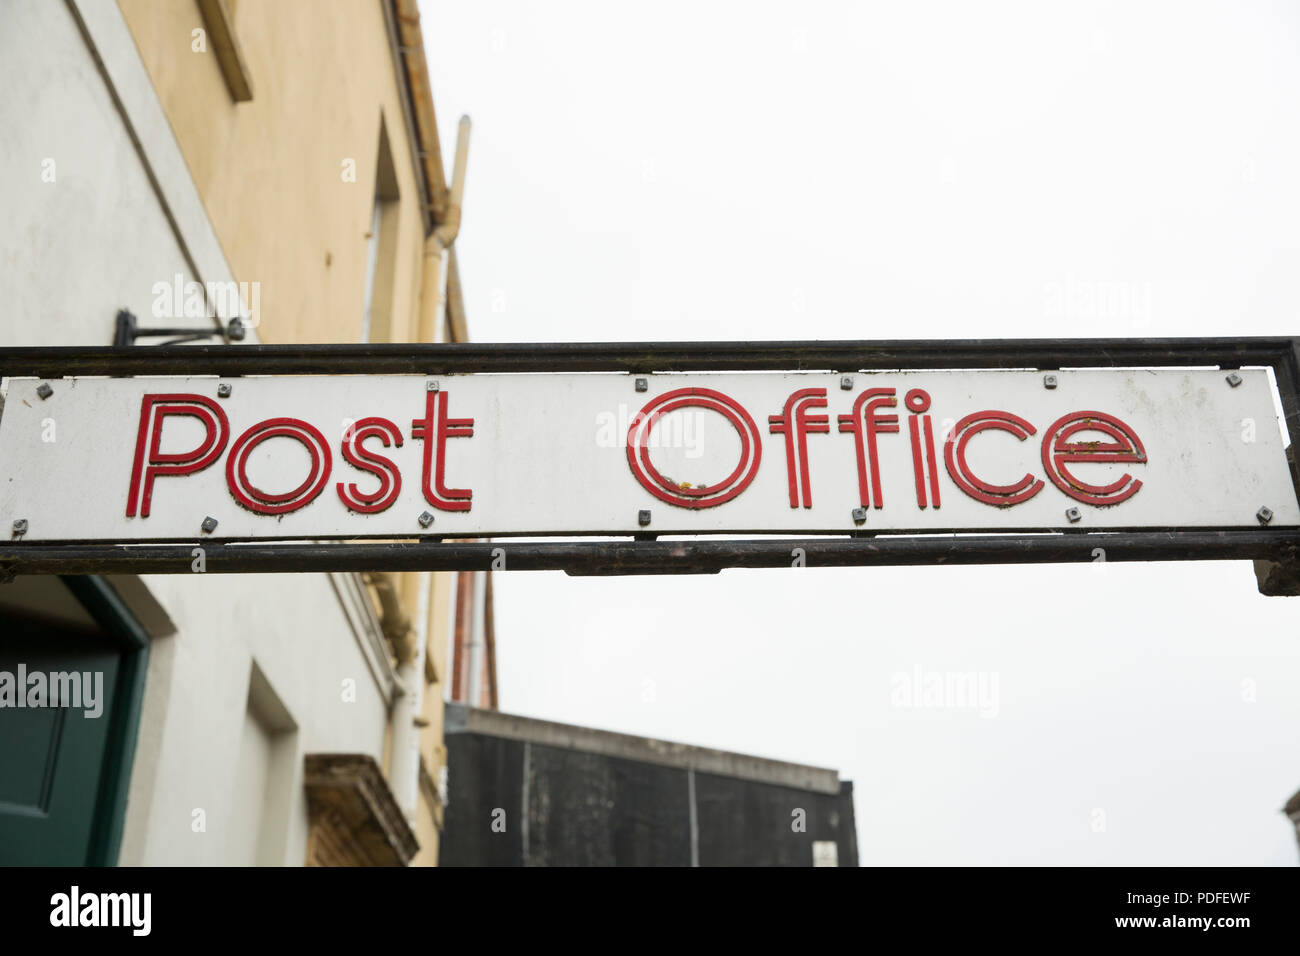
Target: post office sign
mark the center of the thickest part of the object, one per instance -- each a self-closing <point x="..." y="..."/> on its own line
<point x="477" y="455"/>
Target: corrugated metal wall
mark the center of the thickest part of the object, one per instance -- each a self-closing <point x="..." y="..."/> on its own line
<point x="586" y="809"/>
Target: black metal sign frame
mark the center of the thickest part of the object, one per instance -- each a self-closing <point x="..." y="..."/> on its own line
<point x="645" y="555"/>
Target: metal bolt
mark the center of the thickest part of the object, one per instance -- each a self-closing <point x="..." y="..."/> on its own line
<point x="223" y="390"/>
<point x="859" y="515"/>
<point x="643" y="517"/>
<point x="642" y="385"/>
<point x="1074" y="514"/>
<point x="431" y="386"/>
<point x="44" y="390"/>
<point x="1049" y="381"/>
<point x="1265" y="515"/>
<point x="425" y="519"/>
<point x="20" y="526"/>
<point x="846" y="382"/>
<point x="209" y="525"/>
<point x="1233" y="379"/>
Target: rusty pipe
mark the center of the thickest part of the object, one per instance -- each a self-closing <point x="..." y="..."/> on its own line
<point x="393" y="620"/>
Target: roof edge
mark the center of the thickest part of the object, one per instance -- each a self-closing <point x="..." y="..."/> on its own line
<point x="423" y="124"/>
<point x="461" y="719"/>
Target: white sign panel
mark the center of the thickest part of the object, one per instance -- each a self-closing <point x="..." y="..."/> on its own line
<point x="137" y="459"/>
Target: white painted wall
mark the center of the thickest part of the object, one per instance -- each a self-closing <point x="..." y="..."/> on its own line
<point x="196" y="700"/>
<point x="72" y="252"/>
<point x="95" y="239"/>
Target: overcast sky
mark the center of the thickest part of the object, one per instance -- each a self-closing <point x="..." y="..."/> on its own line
<point x="719" y="170"/>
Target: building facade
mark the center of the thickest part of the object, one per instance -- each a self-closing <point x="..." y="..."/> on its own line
<point x="249" y="172"/>
<point x="528" y="792"/>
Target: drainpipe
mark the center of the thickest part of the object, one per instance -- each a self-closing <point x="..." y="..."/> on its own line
<point x="449" y="228"/>
<point x="442" y="208"/>
<point x="490" y="642"/>
<point x="433" y="291"/>
<point x="408" y="644"/>
<point x="474" y="693"/>
<point x="458" y="325"/>
<point x="439" y="257"/>
<point x="392" y="619"/>
<point x="463" y="636"/>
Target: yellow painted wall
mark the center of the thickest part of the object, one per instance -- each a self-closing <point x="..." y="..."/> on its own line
<point x="270" y="170"/>
<point x="439" y="634"/>
<point x="271" y="175"/>
<point x="427" y="832"/>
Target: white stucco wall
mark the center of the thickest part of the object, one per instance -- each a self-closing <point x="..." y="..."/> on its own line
<point x="195" y="704"/>
<point x="116" y="220"/>
<point x="76" y="249"/>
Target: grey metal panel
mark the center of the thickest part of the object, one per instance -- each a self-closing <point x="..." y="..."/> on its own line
<point x="585" y="805"/>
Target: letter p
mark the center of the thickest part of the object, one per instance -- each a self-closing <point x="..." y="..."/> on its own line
<point x="151" y="461"/>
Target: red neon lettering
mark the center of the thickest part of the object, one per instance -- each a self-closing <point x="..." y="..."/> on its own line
<point x="918" y="401"/>
<point x="796" y="424"/>
<point x="1004" y="496"/>
<point x="865" y="425"/>
<point x="390" y="479"/>
<point x="434" y="430"/>
<point x="1058" y="451"/>
<point x="683" y="496"/>
<point x="266" y="503"/>
<point x="150" y="462"/>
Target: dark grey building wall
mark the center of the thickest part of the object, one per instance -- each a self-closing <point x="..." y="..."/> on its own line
<point x="590" y="809"/>
<point x="742" y="823"/>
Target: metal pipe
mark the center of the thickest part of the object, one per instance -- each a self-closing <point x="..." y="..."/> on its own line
<point x="433" y="291"/>
<point x="435" y="358"/>
<point x="449" y="228"/>
<point x="490" y="642"/>
<point x="474" y="684"/>
<point x="461" y="635"/>
<point x="655" y="557"/>
<point x="392" y="618"/>
<point x="457" y="322"/>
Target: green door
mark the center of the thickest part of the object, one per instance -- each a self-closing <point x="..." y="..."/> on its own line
<point x="63" y="770"/>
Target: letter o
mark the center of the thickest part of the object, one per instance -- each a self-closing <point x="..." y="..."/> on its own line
<point x="638" y="454"/>
<point x="265" y="503"/>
